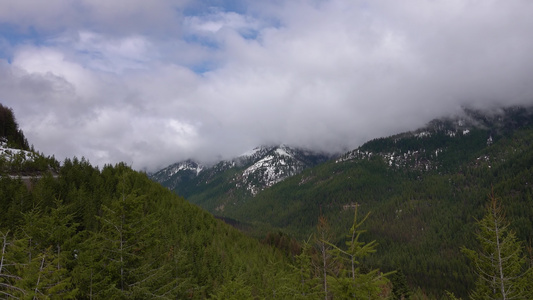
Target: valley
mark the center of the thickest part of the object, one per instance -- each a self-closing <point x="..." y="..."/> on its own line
<point x="424" y="190"/>
<point x="397" y="217"/>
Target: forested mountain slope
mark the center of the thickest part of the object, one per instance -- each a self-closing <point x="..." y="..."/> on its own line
<point x="86" y="233"/>
<point x="230" y="181"/>
<point x="425" y="189"/>
<point x="115" y="234"/>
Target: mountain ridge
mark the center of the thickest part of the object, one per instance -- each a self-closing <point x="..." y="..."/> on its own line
<point x="262" y="167"/>
<point x="112" y="233"/>
<point x="242" y="176"/>
<point x="424" y="200"/>
<point x="424" y="188"/>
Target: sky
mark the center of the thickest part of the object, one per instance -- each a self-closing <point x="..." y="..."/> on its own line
<point x="153" y="82"/>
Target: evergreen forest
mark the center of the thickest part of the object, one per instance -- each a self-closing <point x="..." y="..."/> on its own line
<point x="358" y="227"/>
<point x="424" y="191"/>
<point x="73" y="231"/>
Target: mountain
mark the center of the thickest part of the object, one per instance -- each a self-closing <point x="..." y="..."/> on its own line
<point x="86" y="233"/>
<point x="113" y="233"/>
<point x="239" y="178"/>
<point x="175" y="174"/>
<point x="424" y="188"/>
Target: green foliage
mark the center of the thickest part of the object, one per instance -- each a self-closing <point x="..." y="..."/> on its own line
<point x="307" y="284"/>
<point x="9" y="129"/>
<point x="84" y="233"/>
<point x="350" y="281"/>
<point x="400" y="288"/>
<point x="235" y="289"/>
<point x="500" y="266"/>
<point x="114" y="234"/>
<point x="326" y="271"/>
<point x="425" y="189"/>
<point x="428" y="212"/>
<point x="20" y="158"/>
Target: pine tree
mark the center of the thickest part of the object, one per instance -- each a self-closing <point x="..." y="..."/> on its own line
<point x="89" y="274"/>
<point x="130" y="259"/>
<point x="9" y="277"/>
<point x="324" y="250"/>
<point x="235" y="289"/>
<point x="355" y="283"/>
<point x="499" y="264"/>
<point x="44" y="257"/>
<point x="400" y="288"/>
<point x="308" y="285"/>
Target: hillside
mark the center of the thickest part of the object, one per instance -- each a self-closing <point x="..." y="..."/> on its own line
<point x="115" y="234"/>
<point x="86" y="233"/>
<point x="424" y="190"/>
<point x="9" y="130"/>
<point x="17" y="158"/>
<point x="230" y="181"/>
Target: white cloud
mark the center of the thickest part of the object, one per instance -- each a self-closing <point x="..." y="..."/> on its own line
<point x="113" y="54"/>
<point x="124" y="84"/>
<point x="217" y="20"/>
<point x="115" y="17"/>
<point x="47" y="61"/>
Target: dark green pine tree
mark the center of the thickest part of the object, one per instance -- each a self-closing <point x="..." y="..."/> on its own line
<point x="307" y="285"/>
<point x="353" y="283"/>
<point x="235" y="289"/>
<point x="10" y="258"/>
<point x="499" y="264"/>
<point x="326" y="262"/>
<point x="120" y="236"/>
<point x="41" y="257"/>
<point x="400" y="288"/>
<point x="89" y="273"/>
<point x="132" y="264"/>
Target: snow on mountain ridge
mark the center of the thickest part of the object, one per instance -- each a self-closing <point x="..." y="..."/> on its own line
<point x="187" y="165"/>
<point x="251" y="152"/>
<point x="282" y="151"/>
<point x="258" y="168"/>
<point x="271" y="169"/>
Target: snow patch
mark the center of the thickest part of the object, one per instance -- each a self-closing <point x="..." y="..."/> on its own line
<point x="11" y="153"/>
<point x="251" y="152"/>
<point x="423" y="134"/>
<point x="450" y="133"/>
<point x="282" y="152"/>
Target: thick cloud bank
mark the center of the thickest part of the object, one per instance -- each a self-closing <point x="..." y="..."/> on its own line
<point x="153" y="82"/>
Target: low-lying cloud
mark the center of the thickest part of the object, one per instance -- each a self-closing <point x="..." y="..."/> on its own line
<point x="154" y="84"/>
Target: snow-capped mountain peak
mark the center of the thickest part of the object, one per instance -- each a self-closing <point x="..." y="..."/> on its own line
<point x="251" y="171"/>
<point x="173" y="174"/>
